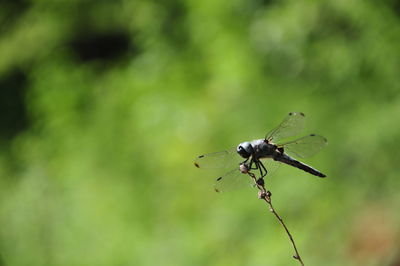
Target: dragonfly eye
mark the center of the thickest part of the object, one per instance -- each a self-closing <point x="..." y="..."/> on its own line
<point x="245" y="149"/>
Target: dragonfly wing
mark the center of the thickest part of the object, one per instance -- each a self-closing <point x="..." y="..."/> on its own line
<point x="305" y="147"/>
<point x="232" y="180"/>
<point x="291" y="126"/>
<point x="271" y="166"/>
<point x="228" y="159"/>
<point x="223" y="159"/>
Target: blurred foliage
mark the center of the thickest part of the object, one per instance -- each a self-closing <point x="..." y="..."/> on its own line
<point x="104" y="105"/>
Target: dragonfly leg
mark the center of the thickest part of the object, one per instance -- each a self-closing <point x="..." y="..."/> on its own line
<point x="251" y="165"/>
<point x="257" y="163"/>
<point x="261" y="170"/>
<point x="245" y="161"/>
<point x="262" y="165"/>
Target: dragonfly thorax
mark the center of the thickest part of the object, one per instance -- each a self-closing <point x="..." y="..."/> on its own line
<point x="263" y="149"/>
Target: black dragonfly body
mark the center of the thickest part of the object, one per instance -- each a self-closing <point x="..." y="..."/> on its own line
<point x="264" y="154"/>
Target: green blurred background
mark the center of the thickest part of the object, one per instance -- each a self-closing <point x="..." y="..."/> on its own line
<point x="105" y="104"/>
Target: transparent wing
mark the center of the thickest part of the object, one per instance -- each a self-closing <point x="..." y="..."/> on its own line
<point x="305" y="147"/>
<point x="228" y="159"/>
<point x="270" y="165"/>
<point x="233" y="179"/>
<point x="291" y="126"/>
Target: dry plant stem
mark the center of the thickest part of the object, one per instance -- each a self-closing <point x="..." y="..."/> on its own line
<point x="266" y="196"/>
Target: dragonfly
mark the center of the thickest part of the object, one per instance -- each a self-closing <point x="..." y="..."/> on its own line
<point x="265" y="155"/>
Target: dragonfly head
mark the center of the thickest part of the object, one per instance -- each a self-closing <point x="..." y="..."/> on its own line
<point x="245" y="149"/>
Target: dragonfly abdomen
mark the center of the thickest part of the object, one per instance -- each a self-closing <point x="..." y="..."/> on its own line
<point x="290" y="161"/>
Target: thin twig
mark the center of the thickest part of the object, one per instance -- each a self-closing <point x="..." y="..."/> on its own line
<point x="266" y="196"/>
